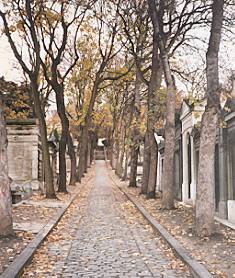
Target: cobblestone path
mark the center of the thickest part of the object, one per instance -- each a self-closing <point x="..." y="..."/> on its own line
<point x="103" y="235"/>
<point x="112" y="241"/>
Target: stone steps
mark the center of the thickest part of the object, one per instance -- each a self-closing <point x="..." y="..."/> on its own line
<point x="99" y="155"/>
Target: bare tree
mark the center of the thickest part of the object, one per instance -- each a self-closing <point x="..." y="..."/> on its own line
<point x="27" y="13"/>
<point x="54" y="29"/>
<point x="137" y="31"/>
<point x="171" y="29"/>
<point x="168" y="197"/>
<point x="206" y="177"/>
<point x="108" y="30"/>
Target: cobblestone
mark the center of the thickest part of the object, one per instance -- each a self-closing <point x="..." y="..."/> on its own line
<point x="112" y="243"/>
<point x="109" y="239"/>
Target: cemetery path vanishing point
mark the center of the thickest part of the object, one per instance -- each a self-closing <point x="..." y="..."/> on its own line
<point x="111" y="239"/>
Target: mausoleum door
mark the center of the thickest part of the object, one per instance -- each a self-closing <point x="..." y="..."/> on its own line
<point x="197" y="164"/>
<point x="217" y="185"/>
<point x="231" y="189"/>
<point x="189" y="167"/>
<point x="177" y="175"/>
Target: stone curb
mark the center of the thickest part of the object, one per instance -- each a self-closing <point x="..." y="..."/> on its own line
<point x="197" y="269"/>
<point x="15" y="269"/>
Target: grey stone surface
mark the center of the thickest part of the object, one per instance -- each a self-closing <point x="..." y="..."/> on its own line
<point x="45" y="203"/>
<point x="16" y="267"/>
<point x="22" y="151"/>
<point x="198" y="270"/>
<point x="33" y="227"/>
<point x="111" y="241"/>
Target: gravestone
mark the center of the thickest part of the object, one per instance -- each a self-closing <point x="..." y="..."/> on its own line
<point x="23" y="154"/>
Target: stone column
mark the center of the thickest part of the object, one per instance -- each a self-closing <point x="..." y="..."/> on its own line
<point x="158" y="171"/>
<point x="34" y="179"/>
<point x="185" y="168"/>
<point x="35" y="162"/>
<point x="193" y="171"/>
<point x="223" y="173"/>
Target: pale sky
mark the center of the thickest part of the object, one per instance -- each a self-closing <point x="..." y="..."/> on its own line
<point x="7" y="61"/>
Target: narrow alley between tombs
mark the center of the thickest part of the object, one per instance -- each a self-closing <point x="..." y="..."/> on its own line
<point x="117" y="138"/>
<point x="104" y="236"/>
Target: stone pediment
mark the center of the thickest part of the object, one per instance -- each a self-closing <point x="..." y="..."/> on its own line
<point x="200" y="106"/>
<point x="185" y="109"/>
<point x="229" y="106"/>
<point x="158" y="138"/>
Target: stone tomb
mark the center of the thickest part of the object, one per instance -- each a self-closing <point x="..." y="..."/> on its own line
<point x="24" y="154"/>
<point x="187" y="157"/>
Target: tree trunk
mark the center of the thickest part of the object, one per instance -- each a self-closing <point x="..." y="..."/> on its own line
<point x="93" y="146"/>
<point x="111" y="152"/>
<point x="134" y="165"/>
<point x="205" y="203"/>
<point x="136" y="132"/>
<point x="6" y="227"/>
<point x="153" y="168"/>
<point x="124" y="176"/>
<point x="119" y="169"/>
<point x="168" y="165"/>
<point x="150" y="145"/>
<point x="82" y="153"/>
<point x="146" y="163"/>
<point x="153" y="98"/>
<point x="154" y="85"/>
<point x="49" y="184"/>
<point x="63" y="139"/>
<point x="116" y="152"/>
<point x="73" y="160"/>
<point x="85" y="130"/>
<point x="112" y="141"/>
<point x="122" y="148"/>
<point x="62" y="163"/>
<point x="89" y="154"/>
